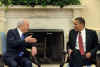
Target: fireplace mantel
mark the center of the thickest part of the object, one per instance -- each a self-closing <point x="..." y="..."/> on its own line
<point x="54" y="7"/>
<point x="75" y="8"/>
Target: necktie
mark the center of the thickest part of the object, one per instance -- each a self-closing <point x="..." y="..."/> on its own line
<point x="80" y="42"/>
<point x="22" y="37"/>
<point x="21" y="52"/>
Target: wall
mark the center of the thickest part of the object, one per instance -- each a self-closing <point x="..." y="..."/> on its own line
<point x="2" y="20"/>
<point x="92" y="13"/>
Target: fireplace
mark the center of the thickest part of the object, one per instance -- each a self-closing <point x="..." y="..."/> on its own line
<point x="50" y="45"/>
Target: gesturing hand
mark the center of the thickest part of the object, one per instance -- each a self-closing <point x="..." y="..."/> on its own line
<point x="29" y="39"/>
<point x="70" y="51"/>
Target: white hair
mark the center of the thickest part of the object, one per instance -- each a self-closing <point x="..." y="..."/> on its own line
<point x="21" y="22"/>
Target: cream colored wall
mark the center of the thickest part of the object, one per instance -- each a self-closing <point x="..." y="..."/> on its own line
<point x="2" y="27"/>
<point x="92" y="13"/>
<point x="2" y="20"/>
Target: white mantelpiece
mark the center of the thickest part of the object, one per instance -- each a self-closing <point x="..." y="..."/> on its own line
<point x="43" y="17"/>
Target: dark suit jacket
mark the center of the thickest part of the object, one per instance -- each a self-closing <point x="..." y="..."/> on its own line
<point x="91" y="41"/>
<point x="15" y="44"/>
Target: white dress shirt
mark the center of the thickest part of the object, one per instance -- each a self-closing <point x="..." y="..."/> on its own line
<point x="19" y="31"/>
<point x="83" y="34"/>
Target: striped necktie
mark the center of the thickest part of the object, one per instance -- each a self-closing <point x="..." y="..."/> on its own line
<point x="80" y="42"/>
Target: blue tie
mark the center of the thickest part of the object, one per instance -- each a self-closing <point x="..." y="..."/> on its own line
<point x="22" y="37"/>
<point x="21" y="53"/>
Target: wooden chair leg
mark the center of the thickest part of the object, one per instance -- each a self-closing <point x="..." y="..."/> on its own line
<point x="39" y="65"/>
<point x="61" y="65"/>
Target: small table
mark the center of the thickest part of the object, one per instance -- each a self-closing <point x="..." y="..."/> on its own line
<point x="98" y="59"/>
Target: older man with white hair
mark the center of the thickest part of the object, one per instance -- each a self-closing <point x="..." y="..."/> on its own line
<point x="17" y="42"/>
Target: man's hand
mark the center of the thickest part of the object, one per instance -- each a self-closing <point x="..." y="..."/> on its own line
<point x="88" y="55"/>
<point x="34" y="51"/>
<point x="29" y="39"/>
<point x="70" y="51"/>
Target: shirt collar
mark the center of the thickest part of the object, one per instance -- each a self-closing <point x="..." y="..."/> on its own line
<point x="83" y="30"/>
<point x="20" y="32"/>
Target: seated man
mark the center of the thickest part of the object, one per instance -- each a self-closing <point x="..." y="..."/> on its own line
<point x="17" y="42"/>
<point x="82" y="44"/>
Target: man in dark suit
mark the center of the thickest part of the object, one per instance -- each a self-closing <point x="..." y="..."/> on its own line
<point x="82" y="44"/>
<point x="17" y="42"/>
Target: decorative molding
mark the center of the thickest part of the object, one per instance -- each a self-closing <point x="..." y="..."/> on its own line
<point x="46" y="7"/>
<point x="75" y="8"/>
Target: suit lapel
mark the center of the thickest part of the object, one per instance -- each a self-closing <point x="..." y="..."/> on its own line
<point x="87" y="39"/>
<point x="75" y="37"/>
<point x="17" y="33"/>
